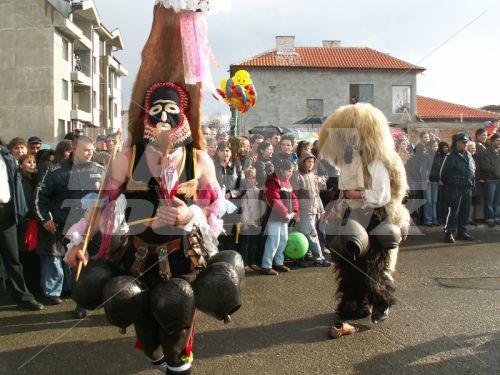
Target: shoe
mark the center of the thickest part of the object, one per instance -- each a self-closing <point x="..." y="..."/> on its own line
<point x="326" y="251"/>
<point x="53" y="300"/>
<point x="254" y="267"/>
<point x="379" y="316"/>
<point x="80" y="312"/>
<point x="322" y="263"/>
<point x="464" y="236"/>
<point x="309" y="257"/>
<point x="490" y="223"/>
<point x="449" y="238"/>
<point x="340" y="329"/>
<point x="281" y="268"/>
<point x="428" y="224"/>
<point x="30" y="305"/>
<point x="268" y="271"/>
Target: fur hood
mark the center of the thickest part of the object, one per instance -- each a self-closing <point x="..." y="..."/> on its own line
<point x="364" y="128"/>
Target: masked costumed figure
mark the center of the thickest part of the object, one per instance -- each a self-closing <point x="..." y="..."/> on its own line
<point x="368" y="221"/>
<point x="158" y="263"/>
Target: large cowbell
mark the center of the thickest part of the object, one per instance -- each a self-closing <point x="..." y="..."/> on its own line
<point x="87" y="292"/>
<point x="234" y="258"/>
<point x="218" y="290"/>
<point x="347" y="237"/>
<point x="173" y="305"/>
<point x="124" y="300"/>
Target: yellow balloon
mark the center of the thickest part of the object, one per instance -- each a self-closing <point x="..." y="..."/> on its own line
<point x="242" y="77"/>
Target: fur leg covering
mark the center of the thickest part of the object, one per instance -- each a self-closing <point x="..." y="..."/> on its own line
<point x="352" y="288"/>
<point x="380" y="266"/>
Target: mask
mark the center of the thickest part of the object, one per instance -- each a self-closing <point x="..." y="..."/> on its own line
<point x="166" y="105"/>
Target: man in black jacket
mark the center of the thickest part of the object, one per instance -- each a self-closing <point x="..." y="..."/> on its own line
<point x="457" y="175"/>
<point x="12" y="209"/>
<point x="489" y="172"/>
<point x="59" y="205"/>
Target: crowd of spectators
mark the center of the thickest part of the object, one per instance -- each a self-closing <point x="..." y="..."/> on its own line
<point x="277" y="185"/>
<point x="441" y="175"/>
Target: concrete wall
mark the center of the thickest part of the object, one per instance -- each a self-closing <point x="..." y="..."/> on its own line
<point x="62" y="70"/>
<point x="26" y="70"/>
<point x="96" y="80"/>
<point x="282" y="93"/>
<point x="117" y="93"/>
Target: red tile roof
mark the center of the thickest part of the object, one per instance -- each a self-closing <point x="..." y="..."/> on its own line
<point x="438" y="109"/>
<point x="329" y="58"/>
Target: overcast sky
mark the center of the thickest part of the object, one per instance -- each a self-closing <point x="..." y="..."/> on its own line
<point x="465" y="70"/>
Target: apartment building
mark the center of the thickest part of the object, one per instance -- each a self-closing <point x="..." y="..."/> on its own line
<point x="58" y="71"/>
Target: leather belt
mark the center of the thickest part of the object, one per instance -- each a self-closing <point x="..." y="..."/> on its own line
<point x="143" y="250"/>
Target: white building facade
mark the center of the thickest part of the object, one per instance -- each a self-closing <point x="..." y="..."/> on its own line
<point x="58" y="70"/>
<point x="296" y="83"/>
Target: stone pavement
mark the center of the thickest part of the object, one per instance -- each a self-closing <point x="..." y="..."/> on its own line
<point x="447" y="322"/>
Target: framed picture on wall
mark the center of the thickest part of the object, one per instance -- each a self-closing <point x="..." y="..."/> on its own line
<point x="401" y="99"/>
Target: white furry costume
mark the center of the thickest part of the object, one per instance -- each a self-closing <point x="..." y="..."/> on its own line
<point x="357" y="139"/>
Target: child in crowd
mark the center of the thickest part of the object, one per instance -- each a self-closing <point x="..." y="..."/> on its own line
<point x="284" y="207"/>
<point x="252" y="210"/>
<point x="306" y="188"/>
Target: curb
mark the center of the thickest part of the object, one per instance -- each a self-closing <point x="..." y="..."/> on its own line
<point x="421" y="229"/>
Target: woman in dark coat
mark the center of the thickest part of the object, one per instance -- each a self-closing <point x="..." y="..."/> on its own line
<point x="437" y="163"/>
<point x="27" y="255"/>
<point x="231" y="179"/>
<point x="264" y="164"/>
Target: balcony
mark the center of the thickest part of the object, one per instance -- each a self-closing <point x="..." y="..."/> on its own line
<point x="79" y="115"/>
<point x="68" y="28"/>
<point x="80" y="79"/>
<point x="117" y="66"/>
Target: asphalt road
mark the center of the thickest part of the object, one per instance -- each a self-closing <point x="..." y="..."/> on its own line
<point x="447" y="321"/>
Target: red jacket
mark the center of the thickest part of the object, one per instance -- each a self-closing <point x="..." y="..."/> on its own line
<point x="280" y="198"/>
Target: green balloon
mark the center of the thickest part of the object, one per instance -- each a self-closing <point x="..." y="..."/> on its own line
<point x="297" y="245"/>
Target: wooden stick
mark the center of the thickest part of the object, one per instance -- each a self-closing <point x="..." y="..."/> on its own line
<point x="95" y="208"/>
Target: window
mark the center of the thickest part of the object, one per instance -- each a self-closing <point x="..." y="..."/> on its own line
<point x="65" y="94"/>
<point x="94" y="99"/>
<point x="401" y="99"/>
<point x="315" y="108"/>
<point x="61" y="129"/>
<point x="115" y="80"/>
<point x="64" y="51"/>
<point x="360" y="93"/>
<point x="115" y="110"/>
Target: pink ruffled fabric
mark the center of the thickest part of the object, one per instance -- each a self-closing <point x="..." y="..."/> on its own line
<point x="210" y="197"/>
<point x="108" y="216"/>
<point x="79" y="227"/>
<point x="196" y="50"/>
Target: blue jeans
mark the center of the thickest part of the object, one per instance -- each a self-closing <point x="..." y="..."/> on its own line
<point x="430" y="208"/>
<point x="492" y="200"/>
<point x="274" y="251"/>
<point x="55" y="275"/>
<point x="307" y="225"/>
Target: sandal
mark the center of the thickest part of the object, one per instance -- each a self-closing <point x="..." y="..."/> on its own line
<point x="340" y="329"/>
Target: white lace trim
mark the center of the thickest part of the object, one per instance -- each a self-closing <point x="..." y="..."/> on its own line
<point x="208" y="6"/>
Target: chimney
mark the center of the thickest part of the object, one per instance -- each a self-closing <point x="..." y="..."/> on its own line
<point x="285" y="45"/>
<point x="332" y="43"/>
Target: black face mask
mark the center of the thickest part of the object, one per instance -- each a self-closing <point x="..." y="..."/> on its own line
<point x="166" y="105"/>
<point x="164" y="111"/>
